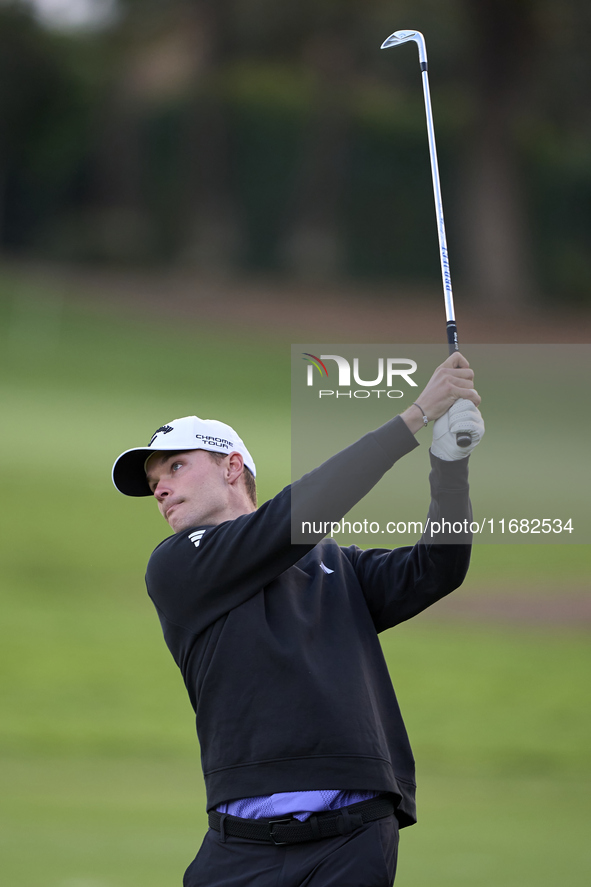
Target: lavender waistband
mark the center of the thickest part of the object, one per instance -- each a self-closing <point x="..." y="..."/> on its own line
<point x="298" y="804"/>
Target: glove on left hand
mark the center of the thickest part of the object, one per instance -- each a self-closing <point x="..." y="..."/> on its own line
<point x="464" y="416"/>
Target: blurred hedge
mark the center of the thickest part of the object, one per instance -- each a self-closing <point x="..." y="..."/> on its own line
<point x="88" y="173"/>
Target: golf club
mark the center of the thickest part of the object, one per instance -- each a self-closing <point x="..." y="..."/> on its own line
<point x="463" y="439"/>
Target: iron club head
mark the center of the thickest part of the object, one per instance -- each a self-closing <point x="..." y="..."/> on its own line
<point x="399" y="37"/>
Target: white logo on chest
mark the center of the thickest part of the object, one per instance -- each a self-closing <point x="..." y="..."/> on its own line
<point x="196" y="537"/>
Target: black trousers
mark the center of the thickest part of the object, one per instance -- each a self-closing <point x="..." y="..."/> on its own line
<point x="365" y="858"/>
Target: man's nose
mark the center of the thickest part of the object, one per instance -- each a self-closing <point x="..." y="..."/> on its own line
<point x="161" y="490"/>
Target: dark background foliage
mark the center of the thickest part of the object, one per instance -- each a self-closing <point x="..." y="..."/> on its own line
<point x="256" y="136"/>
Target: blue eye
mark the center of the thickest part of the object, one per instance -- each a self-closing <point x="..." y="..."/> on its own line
<point x="175" y="465"/>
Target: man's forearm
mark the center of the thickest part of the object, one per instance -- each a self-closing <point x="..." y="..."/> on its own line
<point x="413" y="418"/>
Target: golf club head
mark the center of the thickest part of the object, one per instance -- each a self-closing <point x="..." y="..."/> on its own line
<point x="399" y="37"/>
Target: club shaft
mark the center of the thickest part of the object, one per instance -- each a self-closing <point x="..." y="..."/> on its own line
<point x="452" y="333"/>
<point x="463" y="439"/>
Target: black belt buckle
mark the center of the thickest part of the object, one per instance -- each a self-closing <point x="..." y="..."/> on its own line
<point x="277" y="822"/>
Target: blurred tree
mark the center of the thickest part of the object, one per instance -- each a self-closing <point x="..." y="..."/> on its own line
<point x="313" y="243"/>
<point x="558" y="131"/>
<point x="42" y="122"/>
<point x="211" y="230"/>
<point x="117" y="225"/>
<point x="165" y="155"/>
<point x="503" y="39"/>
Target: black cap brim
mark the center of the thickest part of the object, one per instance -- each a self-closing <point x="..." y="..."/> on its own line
<point x="129" y="475"/>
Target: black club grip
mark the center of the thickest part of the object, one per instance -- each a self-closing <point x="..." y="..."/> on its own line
<point x="463" y="438"/>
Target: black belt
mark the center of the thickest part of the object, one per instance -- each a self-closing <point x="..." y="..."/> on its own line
<point x="292" y="831"/>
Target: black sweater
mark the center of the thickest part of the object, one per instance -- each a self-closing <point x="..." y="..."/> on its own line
<point x="281" y="660"/>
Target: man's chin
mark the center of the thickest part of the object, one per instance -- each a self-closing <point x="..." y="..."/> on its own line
<point x="174" y="520"/>
<point x="179" y="522"/>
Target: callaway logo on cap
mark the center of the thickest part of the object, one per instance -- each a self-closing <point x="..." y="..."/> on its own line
<point x="189" y="433"/>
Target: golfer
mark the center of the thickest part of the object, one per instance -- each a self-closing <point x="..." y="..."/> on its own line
<point x="307" y="764"/>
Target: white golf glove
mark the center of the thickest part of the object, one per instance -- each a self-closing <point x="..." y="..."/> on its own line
<point x="463" y="416"/>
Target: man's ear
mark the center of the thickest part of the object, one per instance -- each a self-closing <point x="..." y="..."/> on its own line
<point x="235" y="467"/>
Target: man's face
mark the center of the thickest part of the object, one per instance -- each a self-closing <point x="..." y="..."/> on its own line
<point x="189" y="487"/>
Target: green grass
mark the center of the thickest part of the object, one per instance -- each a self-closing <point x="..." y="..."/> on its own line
<point x="96" y="822"/>
<point x="494" y="700"/>
<point x="99" y="765"/>
<point x="510" y="831"/>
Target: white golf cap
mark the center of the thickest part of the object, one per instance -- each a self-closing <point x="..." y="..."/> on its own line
<point x="189" y="433"/>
